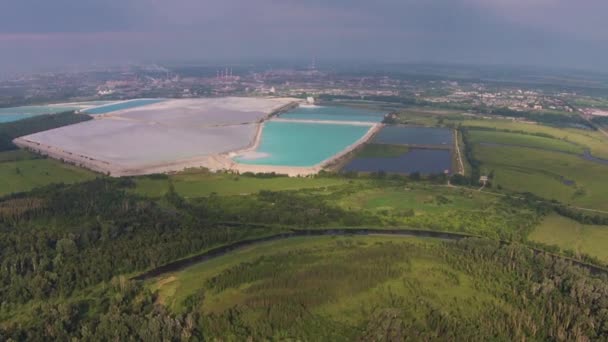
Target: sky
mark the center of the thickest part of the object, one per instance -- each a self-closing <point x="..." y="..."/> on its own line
<point x="44" y="33"/>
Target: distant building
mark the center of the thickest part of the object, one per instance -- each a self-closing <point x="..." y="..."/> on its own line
<point x="310" y="100"/>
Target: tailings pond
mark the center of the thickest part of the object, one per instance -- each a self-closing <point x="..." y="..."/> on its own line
<point x="330" y="113"/>
<point x="121" y="106"/>
<point x="425" y="161"/>
<point x="409" y="135"/>
<point x="302" y="144"/>
<point x="430" y="151"/>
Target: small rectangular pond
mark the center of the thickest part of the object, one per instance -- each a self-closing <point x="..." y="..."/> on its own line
<point x="408" y="135"/>
<point x="302" y="144"/>
<point x="114" y="107"/>
<point x="333" y="113"/>
<point x="425" y="161"/>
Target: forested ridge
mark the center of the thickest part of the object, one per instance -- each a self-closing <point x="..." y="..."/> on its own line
<point x="541" y="298"/>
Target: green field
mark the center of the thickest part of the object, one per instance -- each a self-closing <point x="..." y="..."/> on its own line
<point x="480" y="136"/>
<point x="571" y="235"/>
<point x="441" y="208"/>
<point x="595" y="141"/>
<point x="325" y="288"/>
<point x="546" y="174"/>
<point x="420" y="199"/>
<point x="381" y="151"/>
<point x="199" y="184"/>
<point x="27" y="174"/>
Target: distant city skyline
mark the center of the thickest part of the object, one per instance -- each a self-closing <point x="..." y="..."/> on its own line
<point x="36" y="34"/>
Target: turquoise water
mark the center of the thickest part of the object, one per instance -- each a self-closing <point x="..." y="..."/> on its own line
<point x="303" y="144"/>
<point x="121" y="106"/>
<point x="415" y="136"/>
<point x="19" y="113"/>
<point x="333" y="113"/>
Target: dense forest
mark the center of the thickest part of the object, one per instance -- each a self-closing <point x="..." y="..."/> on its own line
<point x="67" y="253"/>
<point x="553" y="119"/>
<point x="12" y="130"/>
<point x="538" y="297"/>
<point x="60" y="239"/>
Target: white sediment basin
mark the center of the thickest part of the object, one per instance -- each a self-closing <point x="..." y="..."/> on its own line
<point x="162" y="137"/>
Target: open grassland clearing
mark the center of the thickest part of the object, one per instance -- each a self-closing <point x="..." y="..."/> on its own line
<point x="442" y="208"/>
<point x="570" y="235"/>
<point x="415" y="197"/>
<point x="566" y="178"/>
<point x="21" y="171"/>
<point x="426" y="116"/>
<point x="199" y="184"/>
<point x="595" y="141"/>
<point x="524" y="140"/>
<point x="328" y="283"/>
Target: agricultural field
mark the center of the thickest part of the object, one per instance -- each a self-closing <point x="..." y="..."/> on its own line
<point x="425" y="116"/>
<point x="21" y="171"/>
<point x="595" y="141"/>
<point x="570" y="235"/>
<point x="524" y="140"/>
<point x="567" y="178"/>
<point x="199" y="184"/>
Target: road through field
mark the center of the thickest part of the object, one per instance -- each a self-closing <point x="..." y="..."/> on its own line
<point x="459" y="156"/>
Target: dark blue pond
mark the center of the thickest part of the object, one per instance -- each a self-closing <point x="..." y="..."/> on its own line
<point x="405" y="135"/>
<point x="424" y="161"/>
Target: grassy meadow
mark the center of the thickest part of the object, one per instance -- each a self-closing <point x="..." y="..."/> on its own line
<point x="532" y="141"/>
<point x="595" y="141"/>
<point x="21" y="171"/>
<point x="570" y="235"/>
<point x="566" y="178"/>
<point x="200" y="184"/>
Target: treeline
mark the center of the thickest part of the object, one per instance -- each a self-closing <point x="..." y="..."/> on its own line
<point x="121" y="311"/>
<point x="11" y="130"/>
<point x="377" y="98"/>
<point x="522" y="295"/>
<point x="60" y="239"/>
<point x="541" y="117"/>
<point x="473" y="162"/>
<point x="551" y="298"/>
<point x="584" y="217"/>
<point x="284" y="208"/>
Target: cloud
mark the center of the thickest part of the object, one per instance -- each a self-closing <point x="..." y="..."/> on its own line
<point x="474" y="31"/>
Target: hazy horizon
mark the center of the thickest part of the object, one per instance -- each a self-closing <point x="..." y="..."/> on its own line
<point x="37" y="34"/>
